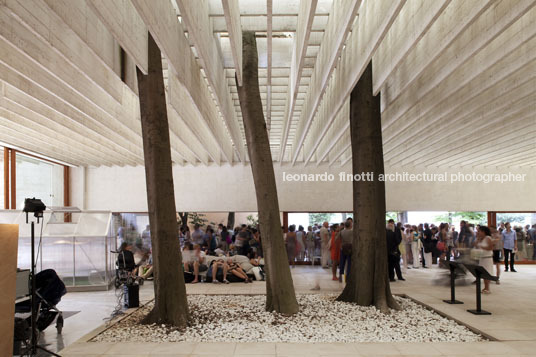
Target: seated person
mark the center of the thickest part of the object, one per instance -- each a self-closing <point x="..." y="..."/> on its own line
<point x="187" y="255"/>
<point x="215" y="264"/>
<point x="200" y="262"/>
<point x="249" y="264"/>
<point x="255" y="259"/>
<point x="193" y="257"/>
<point x="145" y="270"/>
<point x="236" y="270"/>
<point x="232" y="250"/>
<point x="219" y="251"/>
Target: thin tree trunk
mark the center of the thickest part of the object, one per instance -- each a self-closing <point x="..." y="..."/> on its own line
<point x="368" y="283"/>
<point x="280" y="296"/>
<point x="230" y="220"/>
<point x="171" y="305"/>
<point x="184" y="219"/>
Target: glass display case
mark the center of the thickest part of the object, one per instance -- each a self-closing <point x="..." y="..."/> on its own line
<point x="76" y="244"/>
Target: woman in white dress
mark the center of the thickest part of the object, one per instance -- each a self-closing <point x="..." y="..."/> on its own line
<point x="416" y="245"/>
<point x="484" y="242"/>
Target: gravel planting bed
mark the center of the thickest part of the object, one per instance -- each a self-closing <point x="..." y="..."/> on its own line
<point x="241" y="318"/>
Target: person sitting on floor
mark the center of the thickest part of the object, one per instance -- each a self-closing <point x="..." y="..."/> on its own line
<point x="145" y="269"/>
<point x="236" y="270"/>
<point x="194" y="258"/>
<point x="216" y="264"/>
<point x="219" y="251"/>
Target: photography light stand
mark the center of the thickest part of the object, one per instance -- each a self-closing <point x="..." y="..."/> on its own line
<point x="37" y="207"/>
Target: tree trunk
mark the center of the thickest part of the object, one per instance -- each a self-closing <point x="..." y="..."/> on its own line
<point x="368" y="283"/>
<point x="230" y="220"/>
<point x="402" y="216"/>
<point x="280" y="296"/>
<point x="171" y="305"/>
<point x="184" y="219"/>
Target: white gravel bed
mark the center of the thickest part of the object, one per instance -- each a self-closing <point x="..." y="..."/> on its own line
<point x="241" y="318"/>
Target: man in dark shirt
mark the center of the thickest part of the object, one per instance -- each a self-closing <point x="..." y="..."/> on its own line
<point x="427" y="246"/>
<point x="394" y="237"/>
<point x="125" y="259"/>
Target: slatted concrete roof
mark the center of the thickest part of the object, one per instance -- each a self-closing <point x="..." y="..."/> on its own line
<point x="457" y="78"/>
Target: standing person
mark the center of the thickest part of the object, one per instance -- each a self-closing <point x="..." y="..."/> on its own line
<point x="324" y="241"/>
<point x="211" y="240"/>
<point x="310" y="244"/>
<point x="256" y="242"/>
<point x="291" y="245"/>
<point x="509" y="239"/>
<point x="521" y="243"/>
<point x="197" y="235"/>
<point x="484" y="242"/>
<point x="335" y="248"/>
<point x="402" y="245"/>
<point x="394" y="238"/>
<point x="185" y="233"/>
<point x="420" y="230"/>
<point x="416" y="245"/>
<point x="146" y="237"/>
<point x="407" y="238"/>
<point x="428" y="246"/>
<point x="242" y="240"/>
<point x="454" y="235"/>
<point x="435" y="240"/>
<point x="531" y="236"/>
<point x="497" y="248"/>
<point x="346" y="240"/>
<point x="450" y="242"/>
<point x="300" y="248"/>
<point x="463" y="237"/>
<point x="219" y="230"/>
<point x="225" y="238"/>
<point x="472" y="234"/>
<point x="443" y="242"/>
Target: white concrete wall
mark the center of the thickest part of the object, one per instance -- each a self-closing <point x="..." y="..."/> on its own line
<point x="230" y="188"/>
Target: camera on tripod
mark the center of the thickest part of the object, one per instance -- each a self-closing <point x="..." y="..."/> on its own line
<point x="35" y="206"/>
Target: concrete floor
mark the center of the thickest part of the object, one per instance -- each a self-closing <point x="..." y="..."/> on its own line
<point x="512" y="323"/>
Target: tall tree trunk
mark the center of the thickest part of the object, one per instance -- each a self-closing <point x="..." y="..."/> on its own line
<point x="280" y="294"/>
<point x="231" y="220"/>
<point x="368" y="283"/>
<point x="184" y="219"/>
<point x="171" y="305"/>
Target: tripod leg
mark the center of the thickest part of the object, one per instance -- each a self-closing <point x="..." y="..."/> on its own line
<point x="47" y="351"/>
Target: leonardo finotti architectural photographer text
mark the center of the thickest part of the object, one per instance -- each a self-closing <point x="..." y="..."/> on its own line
<point x="407" y="177"/>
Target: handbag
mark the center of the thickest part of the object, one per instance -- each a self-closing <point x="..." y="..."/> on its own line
<point x="441" y="246"/>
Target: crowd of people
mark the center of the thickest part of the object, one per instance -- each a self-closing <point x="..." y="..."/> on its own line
<point x="419" y="246"/>
<point x="225" y="254"/>
<point x="220" y="255"/>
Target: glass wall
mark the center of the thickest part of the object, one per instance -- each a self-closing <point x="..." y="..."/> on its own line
<point x="40" y="179"/>
<point x="79" y="251"/>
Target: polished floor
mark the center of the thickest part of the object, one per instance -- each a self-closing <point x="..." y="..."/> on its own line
<point x="512" y="323"/>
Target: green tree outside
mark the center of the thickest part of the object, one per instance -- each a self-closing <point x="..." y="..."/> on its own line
<point x="319" y="218"/>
